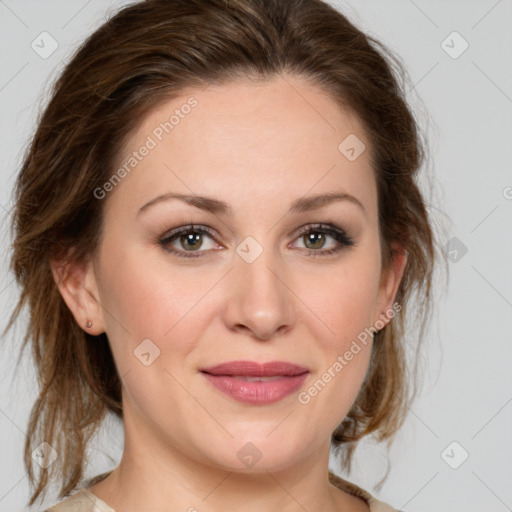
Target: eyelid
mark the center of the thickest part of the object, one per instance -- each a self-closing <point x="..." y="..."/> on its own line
<point x="189" y="227"/>
<point x="320" y="226"/>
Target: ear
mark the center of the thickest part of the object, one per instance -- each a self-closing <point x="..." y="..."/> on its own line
<point x="391" y="277"/>
<point x="77" y="285"/>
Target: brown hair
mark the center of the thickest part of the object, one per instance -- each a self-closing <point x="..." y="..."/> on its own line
<point x="147" y="53"/>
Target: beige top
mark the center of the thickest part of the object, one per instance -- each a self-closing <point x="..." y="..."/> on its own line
<point x="85" y="501"/>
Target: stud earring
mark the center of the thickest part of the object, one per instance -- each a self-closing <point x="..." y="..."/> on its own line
<point x="88" y="324"/>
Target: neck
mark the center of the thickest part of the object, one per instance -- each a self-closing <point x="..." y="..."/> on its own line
<point x="153" y="475"/>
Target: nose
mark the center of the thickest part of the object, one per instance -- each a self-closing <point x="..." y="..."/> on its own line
<point x="260" y="301"/>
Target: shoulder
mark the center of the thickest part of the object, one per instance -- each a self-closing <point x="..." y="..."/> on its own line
<point x="374" y="504"/>
<point x="86" y="501"/>
<point x="81" y="501"/>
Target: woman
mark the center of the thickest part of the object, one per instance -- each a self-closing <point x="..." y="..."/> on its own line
<point x="217" y="233"/>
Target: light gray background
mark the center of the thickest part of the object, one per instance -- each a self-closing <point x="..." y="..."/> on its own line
<point x="467" y="396"/>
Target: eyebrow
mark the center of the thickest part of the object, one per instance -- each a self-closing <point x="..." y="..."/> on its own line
<point x="216" y="206"/>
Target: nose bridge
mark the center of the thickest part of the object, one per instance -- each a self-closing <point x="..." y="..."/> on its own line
<point x="260" y="300"/>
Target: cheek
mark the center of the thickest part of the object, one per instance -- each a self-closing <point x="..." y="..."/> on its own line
<point x="344" y="298"/>
<point x="344" y="301"/>
<point x="344" y="352"/>
<point x="146" y="298"/>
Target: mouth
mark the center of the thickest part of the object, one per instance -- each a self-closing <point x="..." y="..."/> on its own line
<point x="256" y="383"/>
<point x="255" y="379"/>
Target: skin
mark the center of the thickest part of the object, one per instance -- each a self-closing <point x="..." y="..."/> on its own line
<point x="257" y="147"/>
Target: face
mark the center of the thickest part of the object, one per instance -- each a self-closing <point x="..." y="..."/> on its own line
<point x="267" y="273"/>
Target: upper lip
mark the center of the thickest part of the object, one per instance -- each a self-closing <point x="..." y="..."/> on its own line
<point x="255" y="369"/>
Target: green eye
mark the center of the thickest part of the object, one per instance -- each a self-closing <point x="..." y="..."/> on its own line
<point x="191" y="240"/>
<point x="188" y="237"/>
<point x="315" y="237"/>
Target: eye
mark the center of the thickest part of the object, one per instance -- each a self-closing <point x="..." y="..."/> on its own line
<point x="190" y="239"/>
<point x="316" y="236"/>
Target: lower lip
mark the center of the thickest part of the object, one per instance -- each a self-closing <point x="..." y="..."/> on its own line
<point x="257" y="392"/>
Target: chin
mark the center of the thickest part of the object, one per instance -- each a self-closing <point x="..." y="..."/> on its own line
<point x="257" y="453"/>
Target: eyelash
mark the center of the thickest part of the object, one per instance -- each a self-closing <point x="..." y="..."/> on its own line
<point x="327" y="229"/>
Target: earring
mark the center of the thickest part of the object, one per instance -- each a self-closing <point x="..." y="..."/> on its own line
<point x="88" y="324"/>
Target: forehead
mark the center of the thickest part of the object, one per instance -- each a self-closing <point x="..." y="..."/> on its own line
<point x="247" y="139"/>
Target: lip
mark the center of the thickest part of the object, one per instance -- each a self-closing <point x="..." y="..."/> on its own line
<point x="255" y="369"/>
<point x="230" y="379"/>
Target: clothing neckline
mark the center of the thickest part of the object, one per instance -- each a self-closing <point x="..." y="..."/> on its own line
<point x="98" y="502"/>
<point x="352" y="489"/>
<point x="336" y="480"/>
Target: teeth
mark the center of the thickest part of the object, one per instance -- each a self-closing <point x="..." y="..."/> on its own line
<point x="257" y="379"/>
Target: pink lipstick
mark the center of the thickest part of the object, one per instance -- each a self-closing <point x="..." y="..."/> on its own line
<point x="256" y="383"/>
